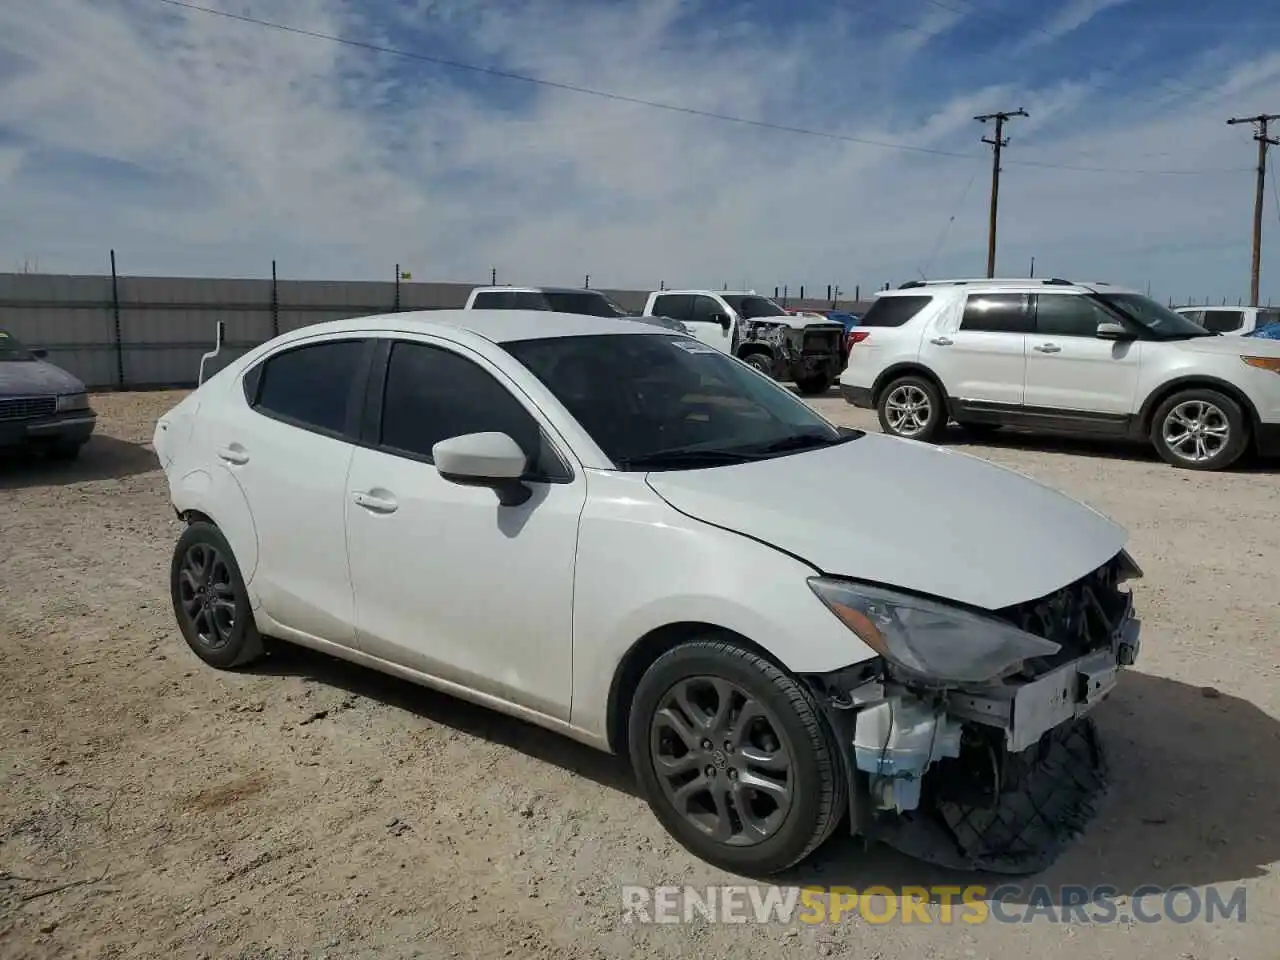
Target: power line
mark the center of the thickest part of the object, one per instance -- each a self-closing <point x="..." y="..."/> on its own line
<point x="1260" y="126"/>
<point x="946" y="228"/>
<point x="998" y="143"/>
<point x="657" y="104"/>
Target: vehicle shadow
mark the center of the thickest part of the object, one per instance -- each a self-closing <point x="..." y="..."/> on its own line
<point x="1194" y="800"/>
<point x="1194" y="797"/>
<point x="102" y="458"/>
<point x="1014" y="438"/>
<point x="287" y="660"/>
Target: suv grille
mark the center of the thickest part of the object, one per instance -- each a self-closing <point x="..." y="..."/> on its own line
<point x="822" y="341"/>
<point x="27" y="408"/>
<point x="1081" y="617"/>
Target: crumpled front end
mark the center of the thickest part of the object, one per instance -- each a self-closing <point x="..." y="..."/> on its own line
<point x="998" y="776"/>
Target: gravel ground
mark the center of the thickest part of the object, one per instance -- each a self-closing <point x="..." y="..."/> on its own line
<point x="152" y="807"/>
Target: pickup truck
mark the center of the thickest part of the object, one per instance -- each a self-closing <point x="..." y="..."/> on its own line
<point x="805" y="349"/>
<point x="591" y="303"/>
<point x="1231" y="321"/>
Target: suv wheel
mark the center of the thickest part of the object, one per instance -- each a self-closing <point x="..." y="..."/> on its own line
<point x="1200" y="430"/>
<point x="735" y="758"/>
<point x="912" y="407"/>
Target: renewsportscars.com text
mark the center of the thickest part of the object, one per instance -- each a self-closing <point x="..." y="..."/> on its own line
<point x="973" y="904"/>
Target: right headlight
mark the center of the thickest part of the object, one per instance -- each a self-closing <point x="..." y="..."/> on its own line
<point x="933" y="641"/>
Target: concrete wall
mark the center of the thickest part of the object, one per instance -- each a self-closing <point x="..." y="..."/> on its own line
<point x="151" y="331"/>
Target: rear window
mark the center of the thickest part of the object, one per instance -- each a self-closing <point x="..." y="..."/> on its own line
<point x="893" y="311"/>
<point x="1222" y="321"/>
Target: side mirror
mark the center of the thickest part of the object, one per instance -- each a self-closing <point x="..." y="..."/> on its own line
<point x="39" y="353"/>
<point x="722" y="319"/>
<point x="1112" y="331"/>
<point x="484" y="460"/>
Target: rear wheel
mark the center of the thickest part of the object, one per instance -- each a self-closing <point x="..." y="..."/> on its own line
<point x="210" y="601"/>
<point x="815" y="385"/>
<point x="912" y="407"/>
<point x="735" y="758"/>
<point x="1200" y="430"/>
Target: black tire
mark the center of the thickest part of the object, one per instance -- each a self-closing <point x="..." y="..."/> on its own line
<point x="64" y="451"/>
<point x="1218" y="413"/>
<point x="222" y="632"/>
<point x="816" y="780"/>
<point x="929" y="412"/>
<point x="761" y="361"/>
<point x="816" y="385"/>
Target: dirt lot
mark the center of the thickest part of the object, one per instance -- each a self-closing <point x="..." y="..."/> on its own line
<point x="310" y="809"/>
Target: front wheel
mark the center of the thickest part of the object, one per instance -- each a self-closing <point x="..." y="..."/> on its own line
<point x="912" y="407"/>
<point x="814" y="385"/>
<point x="760" y="361"/>
<point x="1200" y="430"/>
<point x="734" y="758"/>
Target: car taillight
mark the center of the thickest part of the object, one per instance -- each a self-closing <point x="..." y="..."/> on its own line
<point x="855" y="336"/>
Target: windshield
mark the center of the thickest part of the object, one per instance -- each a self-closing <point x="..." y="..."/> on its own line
<point x="749" y="307"/>
<point x="659" y="401"/>
<point x="1163" y="323"/>
<point x="12" y="349"/>
<point x="585" y="304"/>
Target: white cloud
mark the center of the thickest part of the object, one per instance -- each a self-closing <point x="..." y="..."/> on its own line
<point x="195" y="144"/>
<point x="1069" y="18"/>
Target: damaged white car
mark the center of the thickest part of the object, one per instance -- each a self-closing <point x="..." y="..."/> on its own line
<point x="622" y="534"/>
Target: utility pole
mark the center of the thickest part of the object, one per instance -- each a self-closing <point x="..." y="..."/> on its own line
<point x="1260" y="122"/>
<point x="998" y="142"/>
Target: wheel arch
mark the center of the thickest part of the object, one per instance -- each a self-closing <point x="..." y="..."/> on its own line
<point x="903" y="369"/>
<point x="642" y="654"/>
<point x="1160" y="394"/>
<point x="755" y="346"/>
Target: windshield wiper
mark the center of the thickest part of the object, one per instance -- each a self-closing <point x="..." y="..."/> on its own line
<point x="690" y="458"/>
<point x="803" y="441"/>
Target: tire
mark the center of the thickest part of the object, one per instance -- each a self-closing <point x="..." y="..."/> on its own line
<point x="925" y="414"/>
<point x="205" y="578"/>
<point x="1224" y="435"/>
<point x="786" y="717"/>
<point x="65" y="452"/>
<point x="761" y="361"/>
<point x="815" y="385"/>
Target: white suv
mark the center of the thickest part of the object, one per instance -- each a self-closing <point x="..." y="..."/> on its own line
<point x="1063" y="357"/>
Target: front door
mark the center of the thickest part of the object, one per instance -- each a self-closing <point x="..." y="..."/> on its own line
<point x="447" y="580"/>
<point x="1071" y="372"/>
<point x="707" y="321"/>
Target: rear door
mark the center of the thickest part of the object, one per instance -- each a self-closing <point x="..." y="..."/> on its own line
<point x="1070" y="371"/>
<point x="981" y="360"/>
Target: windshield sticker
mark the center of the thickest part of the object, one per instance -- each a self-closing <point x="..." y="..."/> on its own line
<point x="693" y="346"/>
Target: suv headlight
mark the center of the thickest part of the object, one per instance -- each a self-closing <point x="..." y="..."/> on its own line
<point x="73" y="401"/>
<point x="932" y="641"/>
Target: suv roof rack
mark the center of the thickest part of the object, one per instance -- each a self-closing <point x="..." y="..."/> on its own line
<point x="995" y="281"/>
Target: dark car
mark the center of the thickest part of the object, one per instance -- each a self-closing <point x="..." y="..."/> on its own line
<point x="42" y="407"/>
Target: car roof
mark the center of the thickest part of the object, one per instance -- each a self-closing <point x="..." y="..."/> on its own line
<point x="496" y="326"/>
<point x="1012" y="284"/>
<point x="723" y="293"/>
<point x="598" y="293"/>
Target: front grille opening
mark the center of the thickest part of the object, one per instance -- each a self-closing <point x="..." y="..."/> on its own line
<point x="27" y="408"/>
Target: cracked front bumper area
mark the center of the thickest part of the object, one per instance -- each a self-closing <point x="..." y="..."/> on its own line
<point x="1000" y="778"/>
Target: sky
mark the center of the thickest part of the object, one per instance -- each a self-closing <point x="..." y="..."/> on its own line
<point x="200" y="145"/>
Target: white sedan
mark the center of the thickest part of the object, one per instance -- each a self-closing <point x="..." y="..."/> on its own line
<point x="615" y="532"/>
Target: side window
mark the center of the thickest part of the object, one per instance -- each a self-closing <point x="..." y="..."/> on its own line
<point x="1222" y="321"/>
<point x="997" y="313"/>
<point x="1195" y="316"/>
<point x="703" y="308"/>
<point x="1067" y="315"/>
<point x="1267" y="317"/>
<point x="491" y="300"/>
<point x="674" y="305"/>
<point x="310" y="386"/>
<point x="432" y="394"/>
<point x="893" y="311"/>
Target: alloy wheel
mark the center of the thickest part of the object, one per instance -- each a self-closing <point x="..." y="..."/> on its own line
<point x="907" y="410"/>
<point x="206" y="595"/>
<point x="1196" y="431"/>
<point x="723" y="760"/>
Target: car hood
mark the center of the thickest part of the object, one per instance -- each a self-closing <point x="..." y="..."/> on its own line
<point x="20" y="378"/>
<point x="798" y="323"/>
<point x="905" y="514"/>
<point x="1240" y="346"/>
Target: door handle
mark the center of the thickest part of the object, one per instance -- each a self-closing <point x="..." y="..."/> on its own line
<point x="942" y="341"/>
<point x="374" y="503"/>
<point x="1048" y="348"/>
<point x="233" y="454"/>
